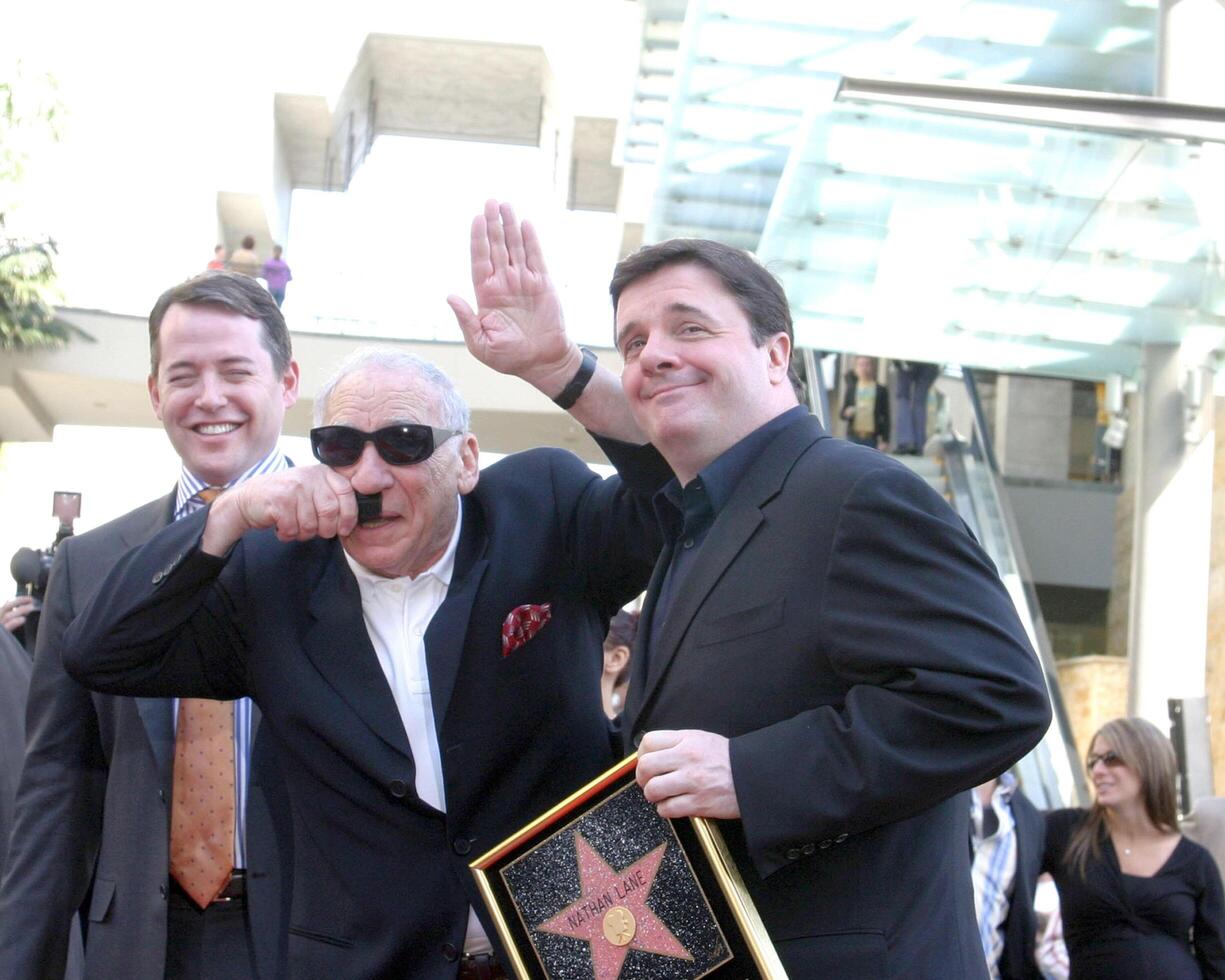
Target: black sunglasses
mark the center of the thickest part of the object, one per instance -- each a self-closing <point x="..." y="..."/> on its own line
<point x="399" y="445"/>
<point x="1110" y="759"/>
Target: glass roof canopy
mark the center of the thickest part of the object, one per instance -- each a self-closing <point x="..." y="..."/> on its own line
<point x="929" y="228"/>
<point x="924" y="221"/>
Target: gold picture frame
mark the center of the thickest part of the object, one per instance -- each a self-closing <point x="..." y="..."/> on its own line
<point x="601" y="878"/>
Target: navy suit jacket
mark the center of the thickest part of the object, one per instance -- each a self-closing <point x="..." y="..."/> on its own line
<point x="93" y="805"/>
<point x="842" y="627"/>
<point x="381" y="879"/>
<point x="1021" y="927"/>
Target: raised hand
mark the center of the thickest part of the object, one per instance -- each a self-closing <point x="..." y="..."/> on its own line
<point x="301" y="503"/>
<point x="518" y="327"/>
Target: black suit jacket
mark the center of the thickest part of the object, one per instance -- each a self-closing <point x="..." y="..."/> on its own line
<point x="381" y="879"/>
<point x="14" y="683"/>
<point x="841" y="626"/>
<point x="94" y="801"/>
<point x="1021" y="927"/>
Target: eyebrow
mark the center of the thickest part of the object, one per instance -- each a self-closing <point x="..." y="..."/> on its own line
<point x="236" y="359"/>
<point x="672" y="308"/>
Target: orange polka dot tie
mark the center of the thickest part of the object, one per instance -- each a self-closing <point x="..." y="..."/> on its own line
<point x="202" y="805"/>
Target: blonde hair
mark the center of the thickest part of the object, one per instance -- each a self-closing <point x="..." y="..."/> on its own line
<point x="1147" y="752"/>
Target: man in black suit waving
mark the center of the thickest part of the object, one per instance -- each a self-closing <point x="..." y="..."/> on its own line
<point x="826" y="660"/>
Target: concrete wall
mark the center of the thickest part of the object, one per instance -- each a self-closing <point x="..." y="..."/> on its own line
<point x="1094" y="691"/>
<point x="1067" y="529"/>
<point x="1216" y="607"/>
<point x="1033" y="426"/>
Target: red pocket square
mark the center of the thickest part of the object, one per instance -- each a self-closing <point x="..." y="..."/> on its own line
<point x="521" y="624"/>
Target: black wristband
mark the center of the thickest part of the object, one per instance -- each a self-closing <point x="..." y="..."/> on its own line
<point x="569" y="394"/>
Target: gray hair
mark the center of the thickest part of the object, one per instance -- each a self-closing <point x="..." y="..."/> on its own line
<point x="455" y="414"/>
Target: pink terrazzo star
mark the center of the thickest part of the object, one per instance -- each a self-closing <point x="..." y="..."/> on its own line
<point x="605" y="890"/>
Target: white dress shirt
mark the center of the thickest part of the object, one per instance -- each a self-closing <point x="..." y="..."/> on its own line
<point x="994" y="866"/>
<point x="397" y="612"/>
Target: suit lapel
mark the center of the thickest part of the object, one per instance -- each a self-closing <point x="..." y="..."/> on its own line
<point x="157" y="714"/>
<point x="158" y="717"/>
<point x="338" y="644"/>
<point x="735" y="526"/>
<point x="444" y="637"/>
<point x="638" y="661"/>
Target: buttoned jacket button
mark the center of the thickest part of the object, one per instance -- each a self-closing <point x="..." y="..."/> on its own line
<point x="793" y="853"/>
<point x="461" y="845"/>
<point x="398" y="788"/>
<point x="162" y="889"/>
<point x="450" y="952"/>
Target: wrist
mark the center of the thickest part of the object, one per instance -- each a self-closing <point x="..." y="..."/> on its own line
<point x="578" y="382"/>
<point x="551" y="379"/>
<point x="222" y="528"/>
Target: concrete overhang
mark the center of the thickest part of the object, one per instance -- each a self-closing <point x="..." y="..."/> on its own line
<point x="101" y="380"/>
<point x="416" y="86"/>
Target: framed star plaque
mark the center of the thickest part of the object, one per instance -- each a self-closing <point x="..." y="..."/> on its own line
<point x="602" y="887"/>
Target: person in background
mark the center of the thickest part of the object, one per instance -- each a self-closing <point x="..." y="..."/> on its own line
<point x="914" y="380"/>
<point x="13" y="613"/>
<point x="1052" y="952"/>
<point x="98" y="806"/>
<point x="1006" y="839"/>
<point x="217" y="262"/>
<point x="617" y="646"/>
<point x="866" y="406"/>
<point x="1138" y="899"/>
<point x="277" y="275"/>
<point x="1205" y="825"/>
<point x="244" y="260"/>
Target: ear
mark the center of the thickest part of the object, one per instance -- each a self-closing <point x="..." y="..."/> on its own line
<point x="778" y="358"/>
<point x="155" y="397"/>
<point x="469" y="463"/>
<point x="289" y="384"/>
<point x="615" y="659"/>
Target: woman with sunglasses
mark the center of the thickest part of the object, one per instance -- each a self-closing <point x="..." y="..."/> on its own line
<point x="1138" y="899"/>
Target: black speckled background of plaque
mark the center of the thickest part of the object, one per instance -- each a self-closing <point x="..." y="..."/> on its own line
<point x="622" y="829"/>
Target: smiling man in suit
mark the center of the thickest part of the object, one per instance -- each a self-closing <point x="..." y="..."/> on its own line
<point x="826" y="659"/>
<point x="98" y="793"/>
<point x="430" y="671"/>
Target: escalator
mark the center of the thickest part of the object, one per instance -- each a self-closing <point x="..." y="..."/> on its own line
<point x="963" y="469"/>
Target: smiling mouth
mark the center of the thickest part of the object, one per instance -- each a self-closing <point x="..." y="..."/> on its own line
<point x="666" y="391"/>
<point x="214" y="428"/>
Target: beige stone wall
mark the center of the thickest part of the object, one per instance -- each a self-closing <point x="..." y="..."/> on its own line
<point x="1216" y="607"/>
<point x="1094" y="691"/>
<point x="1119" y="605"/>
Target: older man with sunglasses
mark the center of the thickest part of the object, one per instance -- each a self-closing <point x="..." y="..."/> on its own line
<point x="423" y="639"/>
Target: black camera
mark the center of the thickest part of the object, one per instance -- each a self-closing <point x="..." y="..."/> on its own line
<point x="31" y="567"/>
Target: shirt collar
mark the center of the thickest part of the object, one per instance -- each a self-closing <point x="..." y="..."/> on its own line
<point x="443" y="569"/>
<point x="190" y="484"/>
<point x="703" y="497"/>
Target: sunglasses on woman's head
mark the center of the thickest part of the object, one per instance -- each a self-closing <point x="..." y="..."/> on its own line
<point x="1110" y="759"/>
<point x="399" y="445"/>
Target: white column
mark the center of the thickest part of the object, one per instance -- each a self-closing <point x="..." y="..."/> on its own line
<point x="1170" y="547"/>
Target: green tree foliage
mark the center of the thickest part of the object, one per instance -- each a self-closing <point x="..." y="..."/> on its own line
<point x="27" y="290"/>
<point x="29" y="117"/>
